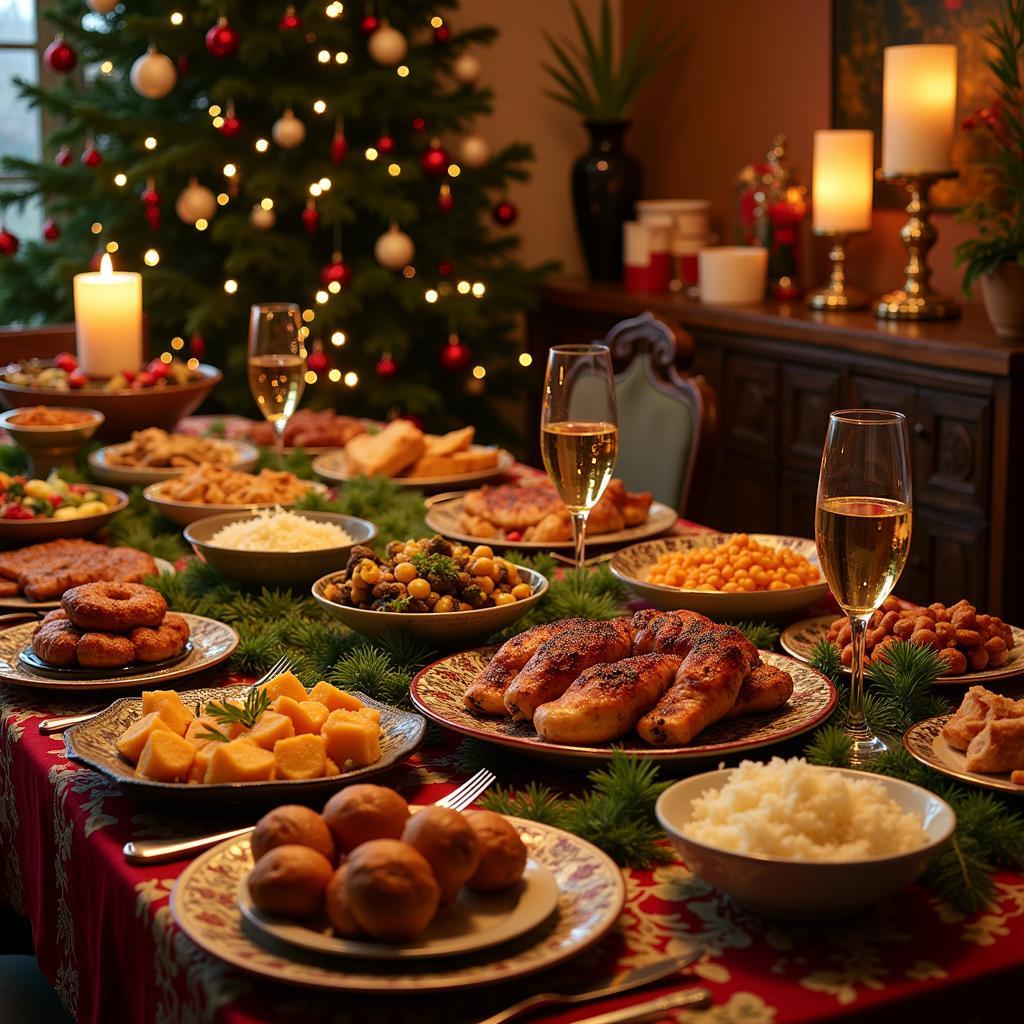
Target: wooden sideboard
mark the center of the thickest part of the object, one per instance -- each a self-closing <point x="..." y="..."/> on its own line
<point x="778" y="370"/>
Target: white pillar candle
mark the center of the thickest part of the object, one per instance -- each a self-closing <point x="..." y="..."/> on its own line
<point x="108" y="320"/>
<point x="636" y="243"/>
<point x="732" y="275"/>
<point x="843" y="180"/>
<point x="918" y="108"/>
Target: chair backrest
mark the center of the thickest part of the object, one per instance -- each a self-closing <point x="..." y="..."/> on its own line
<point x="666" y="418"/>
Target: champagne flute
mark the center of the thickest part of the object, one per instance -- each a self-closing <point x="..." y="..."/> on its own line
<point x="579" y="434"/>
<point x="862" y="530"/>
<point x="277" y="364"/>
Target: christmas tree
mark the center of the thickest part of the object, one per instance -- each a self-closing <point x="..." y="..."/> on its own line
<point x="322" y="153"/>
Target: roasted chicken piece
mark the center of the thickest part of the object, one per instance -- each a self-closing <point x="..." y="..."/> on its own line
<point x="606" y="701"/>
<point x="999" y="747"/>
<point x="764" y="689"/>
<point x="978" y="707"/>
<point x="560" y="659"/>
<point x="716" y="659"/>
<point x="486" y="692"/>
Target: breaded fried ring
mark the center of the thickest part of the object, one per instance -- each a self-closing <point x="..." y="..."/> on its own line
<point x="168" y="641"/>
<point x="57" y="615"/>
<point x="114" y="607"/>
<point x="105" y="650"/>
<point x="56" y="642"/>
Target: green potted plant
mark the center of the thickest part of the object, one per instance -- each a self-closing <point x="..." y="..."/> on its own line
<point x="996" y="256"/>
<point x="588" y="78"/>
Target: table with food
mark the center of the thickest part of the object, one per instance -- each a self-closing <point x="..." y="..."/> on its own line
<point x="312" y="717"/>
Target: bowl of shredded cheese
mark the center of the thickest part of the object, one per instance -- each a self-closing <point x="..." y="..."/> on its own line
<point x="277" y="547"/>
<point x="799" y="841"/>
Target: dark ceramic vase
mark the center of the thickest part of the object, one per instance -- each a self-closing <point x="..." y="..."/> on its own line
<point x="605" y="185"/>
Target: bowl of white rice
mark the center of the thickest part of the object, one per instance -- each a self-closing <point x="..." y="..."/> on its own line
<point x="277" y="547"/>
<point x="798" y="841"/>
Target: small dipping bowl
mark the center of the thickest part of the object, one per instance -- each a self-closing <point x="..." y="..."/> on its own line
<point x="51" y="446"/>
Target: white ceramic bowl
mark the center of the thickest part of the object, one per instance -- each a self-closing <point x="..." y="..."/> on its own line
<point x="185" y="512"/>
<point x="801" y="890"/>
<point x="276" y="568"/>
<point x="632" y="565"/>
<point x="245" y="458"/>
<point x="732" y="275"/>
<point x="443" y="629"/>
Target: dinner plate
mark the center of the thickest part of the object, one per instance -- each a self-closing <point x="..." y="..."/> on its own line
<point x="334" y="467"/>
<point x="74" y="673"/>
<point x="474" y="920"/>
<point x="443" y="517"/>
<point x="246" y="457"/>
<point x="204" y="902"/>
<point x="212" y="643"/>
<point x="632" y="565"/>
<point x="185" y="512"/>
<point x="801" y="638"/>
<point x="20" y="603"/>
<point x="438" y="689"/>
<point x="93" y="743"/>
<point x="924" y="742"/>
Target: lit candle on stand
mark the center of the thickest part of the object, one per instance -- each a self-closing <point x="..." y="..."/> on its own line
<point x="844" y="179"/>
<point x="918" y="109"/>
<point x="108" y="320"/>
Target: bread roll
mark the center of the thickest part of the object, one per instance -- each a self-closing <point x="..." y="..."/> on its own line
<point x="363" y="812"/>
<point x="502" y="853"/>
<point x="290" y="880"/>
<point x="448" y="843"/>
<point x="339" y="910"/>
<point x="292" y="824"/>
<point x="391" y="890"/>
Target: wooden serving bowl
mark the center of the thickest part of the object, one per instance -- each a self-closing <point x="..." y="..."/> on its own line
<point x="123" y="411"/>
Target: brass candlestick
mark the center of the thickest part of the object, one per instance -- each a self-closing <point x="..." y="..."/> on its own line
<point x="837" y="295"/>
<point x="917" y="300"/>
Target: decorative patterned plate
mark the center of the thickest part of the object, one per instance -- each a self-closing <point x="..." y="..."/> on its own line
<point x="800" y="639"/>
<point x="632" y="565"/>
<point x="474" y="920"/>
<point x="92" y="743"/>
<point x="925" y="742"/>
<point x="31" y="661"/>
<point x="333" y="467"/>
<point x="20" y="603"/>
<point x="212" y="643"/>
<point x="246" y="456"/>
<point x="437" y="691"/>
<point x="443" y="517"/>
<point x="591" y="896"/>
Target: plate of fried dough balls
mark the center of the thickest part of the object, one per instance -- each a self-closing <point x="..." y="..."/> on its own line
<point x="371" y="877"/>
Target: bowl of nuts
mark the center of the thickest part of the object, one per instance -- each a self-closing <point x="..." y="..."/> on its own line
<point x="439" y="590"/>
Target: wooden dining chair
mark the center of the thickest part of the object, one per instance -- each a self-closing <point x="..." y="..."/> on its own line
<point x="667" y="417"/>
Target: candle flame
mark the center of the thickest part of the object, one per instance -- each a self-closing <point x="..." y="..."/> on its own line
<point x="106" y="265"/>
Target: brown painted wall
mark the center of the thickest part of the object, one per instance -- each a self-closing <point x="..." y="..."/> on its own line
<point x="749" y="71"/>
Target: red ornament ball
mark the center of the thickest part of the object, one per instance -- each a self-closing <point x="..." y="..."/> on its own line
<point x="222" y="40"/>
<point x="456" y="356"/>
<point x="8" y="243"/>
<point x="63" y="157"/>
<point x="445" y="269"/>
<point x="183" y="64"/>
<point x="418" y="123"/>
<point x="442" y="35"/>
<point x="91" y="156"/>
<point x="339" y="147"/>
<point x="198" y="344"/>
<point x="290" y="21"/>
<point x="152" y="215"/>
<point x="369" y="24"/>
<point x="386" y="367"/>
<point x="60" y="57"/>
<point x="504" y="213"/>
<point x="150" y="196"/>
<point x="337" y="270"/>
<point x="230" y="126"/>
<point x="318" y="361"/>
<point x="51" y="232"/>
<point x="435" y="161"/>
<point x="385" y="144"/>
<point x="311" y="218"/>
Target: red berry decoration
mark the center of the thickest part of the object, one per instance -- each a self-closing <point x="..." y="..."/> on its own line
<point x="445" y="269"/>
<point x="8" y="243"/>
<point x="337" y="270"/>
<point x="339" y="147"/>
<point x="418" y="123"/>
<point x="50" y="230"/>
<point x="143" y="380"/>
<point x="77" y="379"/>
<point x="386" y="367"/>
<point x="60" y="57"/>
<point x="385" y="144"/>
<point x="230" y="126"/>
<point x="91" y="156"/>
<point x="311" y="217"/>
<point x="369" y="24"/>
<point x="222" y="40"/>
<point x="157" y="369"/>
<point x="435" y="160"/>
<point x="65" y="361"/>
<point x="318" y="361"/>
<point x="504" y="213"/>
<point x="442" y="35"/>
<point x="64" y="157"/>
<point x="444" y="198"/>
<point x="456" y="356"/>
<point x="290" y="21"/>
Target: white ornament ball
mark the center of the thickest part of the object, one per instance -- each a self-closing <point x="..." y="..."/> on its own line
<point x="394" y="249"/>
<point x="387" y="45"/>
<point x="196" y="202"/>
<point x="288" y="131"/>
<point x="474" y="151"/>
<point x="102" y="6"/>
<point x="153" y="75"/>
<point x="466" y="68"/>
<point x="262" y="219"/>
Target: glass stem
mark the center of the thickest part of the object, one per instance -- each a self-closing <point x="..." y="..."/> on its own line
<point x="579" y="535"/>
<point x="279" y="427"/>
<point x="856" y="722"/>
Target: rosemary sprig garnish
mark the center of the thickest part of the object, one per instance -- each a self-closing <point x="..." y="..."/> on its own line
<point x="214" y="735"/>
<point x="255" y="703"/>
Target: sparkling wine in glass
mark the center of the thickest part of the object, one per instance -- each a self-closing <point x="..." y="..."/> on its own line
<point x="862" y="529"/>
<point x="579" y="432"/>
<point x="277" y="363"/>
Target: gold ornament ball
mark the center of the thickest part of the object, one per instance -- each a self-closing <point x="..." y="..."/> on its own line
<point x="394" y="249"/>
<point x="466" y="68"/>
<point x="288" y="131"/>
<point x="262" y="219"/>
<point x="474" y="151"/>
<point x="387" y="46"/>
<point x="153" y="75"/>
<point x="102" y="6"/>
<point x="195" y="202"/>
